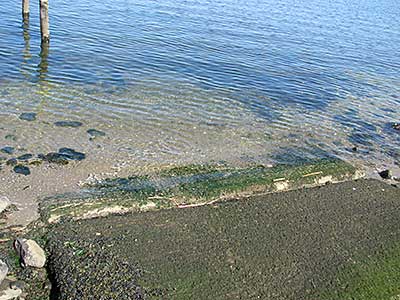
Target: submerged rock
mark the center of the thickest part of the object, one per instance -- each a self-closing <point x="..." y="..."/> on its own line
<point x="31" y="254"/>
<point x="3" y="270"/>
<point x="20" y="169"/>
<point x="11" y="137"/>
<point x="7" y="150"/>
<point x="72" y="154"/>
<point x="25" y="156"/>
<point x="28" y="116"/>
<point x="55" y="158"/>
<point x="95" y="133"/>
<point x="12" y="162"/>
<point x="68" y="124"/>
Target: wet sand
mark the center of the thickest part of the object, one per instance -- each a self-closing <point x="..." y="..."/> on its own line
<point x="287" y="245"/>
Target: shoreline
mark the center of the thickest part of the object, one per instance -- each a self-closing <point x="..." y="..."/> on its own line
<point x="314" y="234"/>
<point x="213" y="182"/>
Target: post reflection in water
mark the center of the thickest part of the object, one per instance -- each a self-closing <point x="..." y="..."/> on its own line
<point x="44" y="84"/>
<point x="44" y="63"/>
<point x="26" y="52"/>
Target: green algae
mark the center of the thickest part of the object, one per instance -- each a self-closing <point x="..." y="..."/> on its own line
<point x="272" y="247"/>
<point x="376" y="277"/>
<point x="190" y="185"/>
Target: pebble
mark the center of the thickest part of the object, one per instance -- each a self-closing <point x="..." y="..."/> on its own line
<point x="28" y="116"/>
<point x="72" y="154"/>
<point x="19" y="169"/>
<point x="95" y="133"/>
<point x="25" y="156"/>
<point x="68" y="124"/>
<point x="11" y="137"/>
<point x="17" y="285"/>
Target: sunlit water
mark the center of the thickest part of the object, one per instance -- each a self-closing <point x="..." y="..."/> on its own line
<point x="169" y="81"/>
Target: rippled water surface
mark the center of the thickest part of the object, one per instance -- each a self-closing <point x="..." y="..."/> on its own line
<point x="181" y="81"/>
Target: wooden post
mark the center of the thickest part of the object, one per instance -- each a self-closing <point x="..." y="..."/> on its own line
<point x="44" y="21"/>
<point x="25" y="9"/>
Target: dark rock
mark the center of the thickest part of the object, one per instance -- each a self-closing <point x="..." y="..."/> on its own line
<point x="8" y="150"/>
<point x="28" y="116"/>
<point x="12" y="162"/>
<point x="385" y="174"/>
<point x="354" y="149"/>
<point x="68" y="124"/>
<point x="25" y="156"/>
<point x="20" y="169"/>
<point x="56" y="158"/>
<point x="72" y="154"/>
<point x="95" y="133"/>
<point x="396" y="126"/>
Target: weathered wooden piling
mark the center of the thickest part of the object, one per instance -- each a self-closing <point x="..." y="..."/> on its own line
<point x="25" y="9"/>
<point x="44" y="21"/>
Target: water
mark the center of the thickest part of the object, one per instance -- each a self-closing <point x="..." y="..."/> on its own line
<point x="272" y="81"/>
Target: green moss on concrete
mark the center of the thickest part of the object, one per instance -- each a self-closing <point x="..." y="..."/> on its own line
<point x="374" y="278"/>
<point x="191" y="184"/>
<point x="271" y="247"/>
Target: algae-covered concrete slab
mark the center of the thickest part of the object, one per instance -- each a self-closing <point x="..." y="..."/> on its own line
<point x="191" y="185"/>
<point x="292" y="245"/>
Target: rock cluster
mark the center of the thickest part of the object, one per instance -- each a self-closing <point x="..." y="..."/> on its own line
<point x="31" y="255"/>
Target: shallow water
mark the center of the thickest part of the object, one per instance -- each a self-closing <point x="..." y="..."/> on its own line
<point x="174" y="82"/>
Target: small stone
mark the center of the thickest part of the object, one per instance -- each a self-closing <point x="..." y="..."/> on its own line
<point x="72" y="154"/>
<point x="3" y="270"/>
<point x="8" y="150"/>
<point x="385" y="174"/>
<point x="17" y="285"/>
<point x="28" y="116"/>
<point x="20" y="169"/>
<point x="4" y="204"/>
<point x="25" y="156"/>
<point x="31" y="254"/>
<point x="95" y="133"/>
<point x="12" y="162"/>
<point x="396" y="126"/>
<point x="10" y="137"/>
<point x="354" y="149"/>
<point x="68" y="124"/>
